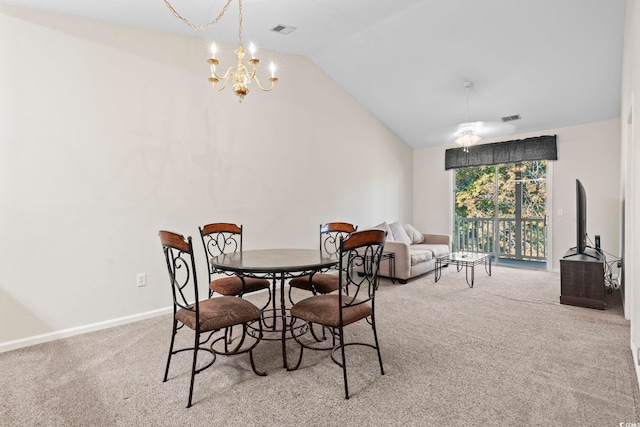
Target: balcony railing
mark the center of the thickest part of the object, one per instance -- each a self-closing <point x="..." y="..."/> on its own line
<point x="526" y="242"/>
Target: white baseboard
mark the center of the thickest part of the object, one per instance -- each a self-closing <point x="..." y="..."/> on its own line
<point x="634" y="354"/>
<point x="52" y="336"/>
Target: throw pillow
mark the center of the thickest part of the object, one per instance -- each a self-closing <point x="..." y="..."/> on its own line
<point x="399" y="234"/>
<point x="415" y="236"/>
<point x="385" y="227"/>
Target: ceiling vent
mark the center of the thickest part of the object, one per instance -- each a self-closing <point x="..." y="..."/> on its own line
<point x="283" y="29"/>
<point x="511" y="118"/>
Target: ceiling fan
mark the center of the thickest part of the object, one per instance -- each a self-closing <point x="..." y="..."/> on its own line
<point x="470" y="133"/>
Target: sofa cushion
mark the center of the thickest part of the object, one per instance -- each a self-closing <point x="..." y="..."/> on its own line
<point x="414" y="235"/>
<point x="385" y="227"/>
<point x="420" y="255"/>
<point x="436" y="250"/>
<point x="399" y="234"/>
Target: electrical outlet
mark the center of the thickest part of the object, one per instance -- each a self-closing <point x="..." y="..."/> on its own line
<point x="141" y="279"/>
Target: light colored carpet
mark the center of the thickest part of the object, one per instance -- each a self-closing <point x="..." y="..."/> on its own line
<point x="503" y="353"/>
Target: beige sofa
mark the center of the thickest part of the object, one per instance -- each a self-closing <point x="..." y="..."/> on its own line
<point x="414" y="252"/>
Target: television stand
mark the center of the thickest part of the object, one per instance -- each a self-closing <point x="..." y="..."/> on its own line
<point x="574" y="252"/>
<point x="582" y="280"/>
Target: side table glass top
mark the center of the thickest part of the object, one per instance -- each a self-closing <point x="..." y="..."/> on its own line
<point x="462" y="256"/>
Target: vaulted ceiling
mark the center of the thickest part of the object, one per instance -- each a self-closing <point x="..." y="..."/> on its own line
<point x="553" y="62"/>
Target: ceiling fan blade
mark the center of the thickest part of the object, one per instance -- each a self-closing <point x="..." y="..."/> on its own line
<point x="485" y="129"/>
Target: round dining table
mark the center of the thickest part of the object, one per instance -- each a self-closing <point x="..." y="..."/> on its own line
<point x="278" y="265"/>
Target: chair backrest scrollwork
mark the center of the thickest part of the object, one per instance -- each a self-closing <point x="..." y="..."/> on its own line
<point x="360" y="255"/>
<point x="332" y="233"/>
<point x="217" y="239"/>
<point x="221" y="238"/>
<point x="178" y="252"/>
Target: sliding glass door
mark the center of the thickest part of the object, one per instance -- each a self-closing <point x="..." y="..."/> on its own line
<point x="502" y="210"/>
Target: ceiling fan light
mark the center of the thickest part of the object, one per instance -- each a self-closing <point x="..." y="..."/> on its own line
<point x="467" y="132"/>
<point x="467" y="139"/>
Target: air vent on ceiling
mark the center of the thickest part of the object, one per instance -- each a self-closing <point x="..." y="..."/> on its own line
<point x="511" y="118"/>
<point x="283" y="29"/>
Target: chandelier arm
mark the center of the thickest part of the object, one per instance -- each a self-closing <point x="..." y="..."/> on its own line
<point x="225" y="80"/>
<point x="273" y="81"/>
<point x="195" y="26"/>
<point x="226" y="75"/>
<point x="221" y="88"/>
<point x="254" y="64"/>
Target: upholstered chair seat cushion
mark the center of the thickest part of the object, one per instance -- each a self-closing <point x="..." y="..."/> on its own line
<point x="323" y="283"/>
<point x="325" y="310"/>
<point x="219" y="313"/>
<point x="232" y="285"/>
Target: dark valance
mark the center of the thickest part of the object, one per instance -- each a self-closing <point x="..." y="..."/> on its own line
<point x="516" y="151"/>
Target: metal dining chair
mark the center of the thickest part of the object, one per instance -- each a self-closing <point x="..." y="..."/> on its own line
<point x="207" y="317"/>
<point x="354" y="301"/>
<point x="222" y="238"/>
<point x="331" y="234"/>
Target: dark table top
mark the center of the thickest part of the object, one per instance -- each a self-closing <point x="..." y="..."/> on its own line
<point x="273" y="261"/>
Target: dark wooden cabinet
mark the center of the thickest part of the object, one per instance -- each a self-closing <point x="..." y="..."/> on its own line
<point x="582" y="281"/>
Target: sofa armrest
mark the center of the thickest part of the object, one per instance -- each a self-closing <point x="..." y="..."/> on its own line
<point x="438" y="239"/>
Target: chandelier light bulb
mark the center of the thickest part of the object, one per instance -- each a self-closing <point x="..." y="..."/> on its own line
<point x="272" y="68"/>
<point x="252" y="49"/>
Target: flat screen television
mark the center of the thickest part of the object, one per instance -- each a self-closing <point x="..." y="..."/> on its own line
<point x="581" y="218"/>
<point x="581" y="224"/>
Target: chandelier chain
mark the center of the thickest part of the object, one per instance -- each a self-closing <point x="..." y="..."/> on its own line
<point x="207" y="25"/>
<point x="240" y="24"/>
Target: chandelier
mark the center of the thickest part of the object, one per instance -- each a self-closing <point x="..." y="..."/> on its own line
<point x="241" y="75"/>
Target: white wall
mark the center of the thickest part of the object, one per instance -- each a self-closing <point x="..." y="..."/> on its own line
<point x="629" y="161"/>
<point x="111" y="133"/>
<point x="590" y="152"/>
<point x="432" y="195"/>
